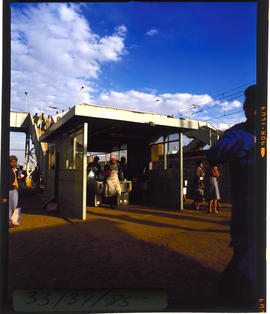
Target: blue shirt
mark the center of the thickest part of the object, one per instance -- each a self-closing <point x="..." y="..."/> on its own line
<point x="237" y="147"/>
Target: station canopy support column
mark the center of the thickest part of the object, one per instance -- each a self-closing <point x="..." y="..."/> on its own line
<point x="165" y="152"/>
<point x="181" y="170"/>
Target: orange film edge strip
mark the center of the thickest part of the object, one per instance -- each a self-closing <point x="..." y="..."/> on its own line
<point x="262" y="134"/>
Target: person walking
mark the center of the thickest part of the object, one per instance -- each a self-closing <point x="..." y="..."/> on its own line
<point x="35" y="118"/>
<point x="113" y="177"/>
<point x="95" y="167"/>
<point x="42" y="122"/>
<point x="237" y="147"/>
<point x="211" y="189"/>
<point x="198" y="185"/>
<point x="23" y="175"/>
<point x="13" y="187"/>
<point x="48" y="122"/>
<point x="36" y="178"/>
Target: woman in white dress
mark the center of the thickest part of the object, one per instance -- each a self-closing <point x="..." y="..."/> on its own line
<point x="113" y="176"/>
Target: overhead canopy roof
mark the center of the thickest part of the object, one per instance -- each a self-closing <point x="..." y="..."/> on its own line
<point x="110" y="127"/>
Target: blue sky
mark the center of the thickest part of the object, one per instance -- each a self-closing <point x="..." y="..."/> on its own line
<point x="199" y="48"/>
<point x="130" y="54"/>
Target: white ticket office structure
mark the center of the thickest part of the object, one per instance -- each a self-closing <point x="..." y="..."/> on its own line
<point x="88" y="128"/>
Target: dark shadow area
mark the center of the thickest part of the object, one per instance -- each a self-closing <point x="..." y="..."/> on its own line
<point x="31" y="204"/>
<point x="153" y="223"/>
<point x="176" y="215"/>
<point x="98" y="254"/>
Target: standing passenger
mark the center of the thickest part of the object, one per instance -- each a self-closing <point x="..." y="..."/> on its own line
<point x="13" y="187"/>
<point x="198" y="185"/>
<point x="237" y="147"/>
<point x="48" y="123"/>
<point x="95" y="167"/>
<point x="123" y="167"/>
<point x="42" y="122"/>
<point x="211" y="189"/>
<point x="36" y="178"/>
<point x="113" y="177"/>
<point x="35" y="118"/>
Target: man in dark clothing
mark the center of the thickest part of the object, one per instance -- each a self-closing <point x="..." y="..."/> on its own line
<point x="237" y="147"/>
<point x="95" y="167"/>
<point x="22" y="182"/>
<point x="36" y="118"/>
<point x="123" y="167"/>
<point x="36" y="178"/>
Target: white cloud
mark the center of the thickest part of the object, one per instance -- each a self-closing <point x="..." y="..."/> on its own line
<point x="54" y="52"/>
<point x="169" y="103"/>
<point x="152" y="32"/>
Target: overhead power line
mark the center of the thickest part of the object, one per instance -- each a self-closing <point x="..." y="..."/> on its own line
<point x="221" y="96"/>
<point x="206" y="106"/>
<point x="224" y="115"/>
<point x="253" y="81"/>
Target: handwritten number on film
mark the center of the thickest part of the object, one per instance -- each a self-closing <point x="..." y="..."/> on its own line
<point x="33" y="297"/>
<point x="42" y="299"/>
<point x="117" y="298"/>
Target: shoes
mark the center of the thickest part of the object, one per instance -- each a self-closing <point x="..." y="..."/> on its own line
<point x="195" y="207"/>
<point x="217" y="212"/>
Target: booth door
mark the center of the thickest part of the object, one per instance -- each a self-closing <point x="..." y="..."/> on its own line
<point x="72" y="173"/>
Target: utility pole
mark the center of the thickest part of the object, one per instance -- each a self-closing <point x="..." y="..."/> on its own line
<point x="26" y="93"/>
<point x="80" y="94"/>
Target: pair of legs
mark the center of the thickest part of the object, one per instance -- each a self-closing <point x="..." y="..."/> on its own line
<point x="196" y="205"/>
<point x="13" y="202"/>
<point x="113" y="201"/>
<point x="211" y="203"/>
<point x="237" y="282"/>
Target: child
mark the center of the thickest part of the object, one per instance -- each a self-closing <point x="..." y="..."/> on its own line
<point x="13" y="187"/>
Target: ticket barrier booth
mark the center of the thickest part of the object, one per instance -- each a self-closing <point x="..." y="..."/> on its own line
<point x="126" y="188"/>
<point x="95" y="192"/>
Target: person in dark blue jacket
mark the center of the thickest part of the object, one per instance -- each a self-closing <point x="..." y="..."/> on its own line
<point x="237" y="147"/>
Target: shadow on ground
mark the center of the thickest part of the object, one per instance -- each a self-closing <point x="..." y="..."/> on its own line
<point x="155" y="224"/>
<point x="98" y="254"/>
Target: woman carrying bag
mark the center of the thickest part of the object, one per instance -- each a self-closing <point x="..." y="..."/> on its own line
<point x="198" y="185"/>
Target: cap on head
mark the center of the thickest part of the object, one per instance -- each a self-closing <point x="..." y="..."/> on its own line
<point x="13" y="157"/>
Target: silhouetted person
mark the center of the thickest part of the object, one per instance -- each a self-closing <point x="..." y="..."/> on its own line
<point x="48" y="122"/>
<point x="36" y="178"/>
<point x="237" y="147"/>
<point x="23" y="175"/>
<point x="95" y="168"/>
<point x="123" y="167"/>
<point x="36" y="118"/>
<point x="198" y="185"/>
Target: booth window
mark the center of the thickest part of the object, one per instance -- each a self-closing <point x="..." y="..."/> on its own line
<point x="78" y="145"/>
